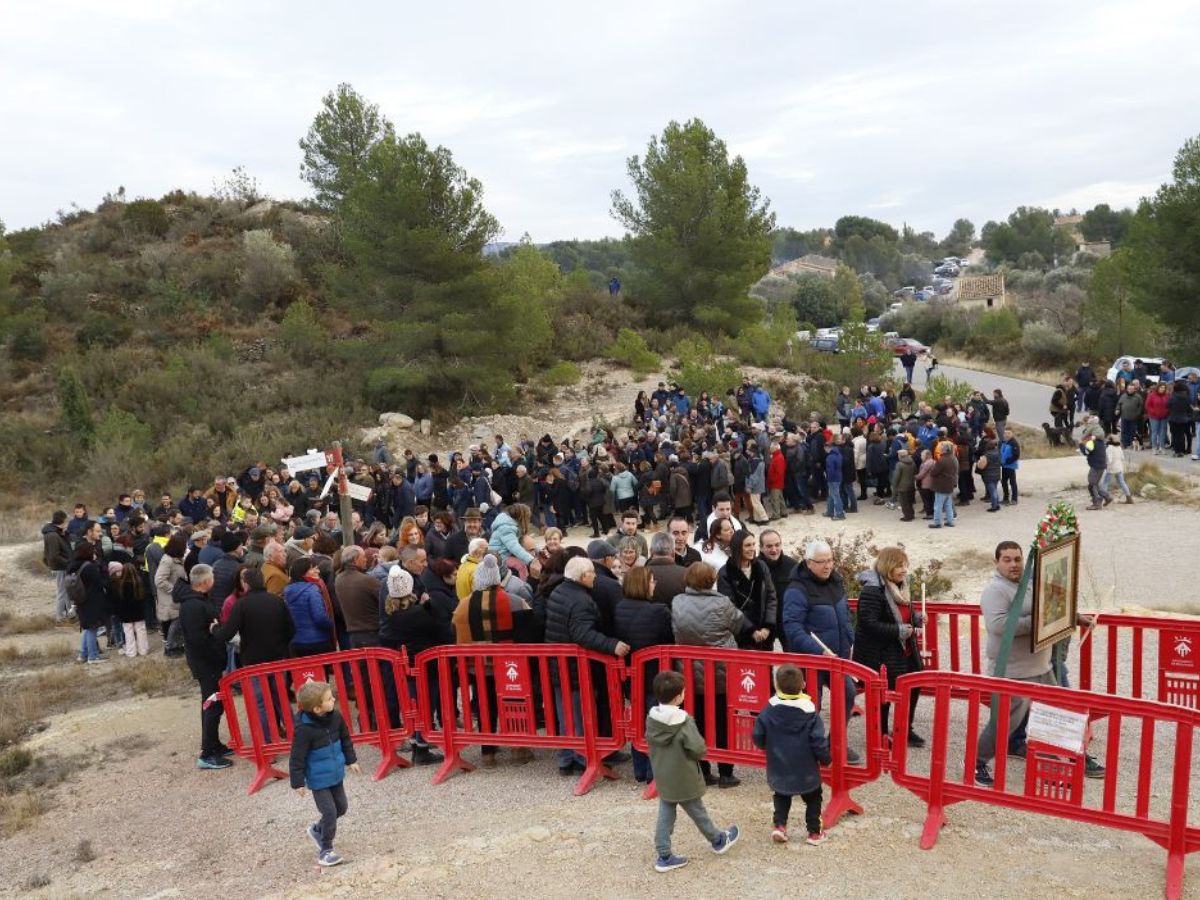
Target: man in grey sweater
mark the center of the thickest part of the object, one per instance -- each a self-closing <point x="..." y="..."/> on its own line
<point x="1023" y="663"/>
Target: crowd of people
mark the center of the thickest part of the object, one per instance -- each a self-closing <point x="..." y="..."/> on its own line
<point x="260" y="566"/>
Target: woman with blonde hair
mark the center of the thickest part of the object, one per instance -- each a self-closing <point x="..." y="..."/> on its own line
<point x="886" y="633"/>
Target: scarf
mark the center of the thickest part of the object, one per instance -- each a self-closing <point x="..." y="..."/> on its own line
<point x="896" y="596"/>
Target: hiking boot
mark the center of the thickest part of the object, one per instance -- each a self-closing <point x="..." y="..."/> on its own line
<point x="669" y="862"/>
<point x="932" y="525"/>
<point x="1128" y="500"/>
<point x="817" y="839"/>
<point x="710" y="779"/>
<point x="779" y="834"/>
<point x="424" y="756"/>
<point x="1094" y="506"/>
<point x="328" y="858"/>
<point x="983" y="776"/>
<point x="725" y="840"/>
<point x="728" y="781"/>
<point x="1092" y="767"/>
<point x="213" y="762"/>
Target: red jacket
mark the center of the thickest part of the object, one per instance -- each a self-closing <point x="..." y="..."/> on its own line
<point x="777" y="471"/>
<point x="1156" y="404"/>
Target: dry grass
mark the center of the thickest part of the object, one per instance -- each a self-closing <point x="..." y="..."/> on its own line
<point x="11" y="623"/>
<point x="22" y="524"/>
<point x="1038" y="375"/>
<point x="84" y="852"/>
<point x="30" y="560"/>
<point x="50" y="653"/>
<point x="1168" y="487"/>
<point x="14" y="761"/>
<point x="18" y="811"/>
<point x="1035" y="446"/>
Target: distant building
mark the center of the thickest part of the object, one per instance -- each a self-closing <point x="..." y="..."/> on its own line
<point x="812" y="264"/>
<point x="981" y="290"/>
<point x="1070" y="224"/>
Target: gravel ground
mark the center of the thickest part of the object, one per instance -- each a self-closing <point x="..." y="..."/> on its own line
<point x="159" y="827"/>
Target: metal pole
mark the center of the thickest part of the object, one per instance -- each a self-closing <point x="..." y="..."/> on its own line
<point x="345" y="509"/>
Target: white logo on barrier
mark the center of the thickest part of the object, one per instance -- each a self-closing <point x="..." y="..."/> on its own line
<point x="510" y="670"/>
<point x="748" y="681"/>
<point x="1183" y="646"/>
<point x="308" y="675"/>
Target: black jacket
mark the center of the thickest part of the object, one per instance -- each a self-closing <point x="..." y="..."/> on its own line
<point x="572" y="618"/>
<point x="999" y="409"/>
<point x="266" y="627"/>
<point x="643" y="623"/>
<point x="205" y="653"/>
<point x="56" y="549"/>
<point x="314" y="733"/>
<point x="94" y="577"/>
<point x="415" y="629"/>
<point x="442" y="598"/>
<point x="607" y="593"/>
<point x="782" y="571"/>
<point x="877" y="637"/>
<point x="225" y="576"/>
<point x="755" y="597"/>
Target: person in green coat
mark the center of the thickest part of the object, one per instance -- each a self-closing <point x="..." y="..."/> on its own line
<point x="676" y="748"/>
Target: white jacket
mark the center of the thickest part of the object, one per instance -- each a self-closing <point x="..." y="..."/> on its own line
<point x="1114" y="457"/>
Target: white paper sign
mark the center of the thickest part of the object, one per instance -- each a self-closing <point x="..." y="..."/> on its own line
<point x="358" y="491"/>
<point x="329" y="483"/>
<point x="305" y="463"/>
<point x="1058" y="727"/>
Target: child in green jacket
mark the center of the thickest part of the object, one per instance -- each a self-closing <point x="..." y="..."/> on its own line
<point x="676" y="748"/>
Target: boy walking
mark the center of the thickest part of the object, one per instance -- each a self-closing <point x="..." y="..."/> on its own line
<point x="321" y="753"/>
<point x="675" y="750"/>
<point x="793" y="735"/>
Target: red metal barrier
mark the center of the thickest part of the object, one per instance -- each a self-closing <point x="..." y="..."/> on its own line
<point x="748" y="684"/>
<point x="1053" y="783"/>
<point x="371" y="672"/>
<point x="509" y="686"/>
<point x="1177" y="660"/>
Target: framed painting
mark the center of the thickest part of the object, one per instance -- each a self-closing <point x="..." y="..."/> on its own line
<point x="1055" y="592"/>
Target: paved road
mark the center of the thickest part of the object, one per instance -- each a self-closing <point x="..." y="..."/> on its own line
<point x="1030" y="405"/>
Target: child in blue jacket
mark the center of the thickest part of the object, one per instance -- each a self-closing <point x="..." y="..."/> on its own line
<point x="321" y="753"/>
<point x="793" y="735"/>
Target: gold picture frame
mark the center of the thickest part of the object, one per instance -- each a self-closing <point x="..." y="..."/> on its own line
<point x="1055" y="592"/>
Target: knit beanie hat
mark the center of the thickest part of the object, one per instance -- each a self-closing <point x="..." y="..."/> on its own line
<point x="114" y="569"/>
<point x="487" y="574"/>
<point x="399" y="582"/>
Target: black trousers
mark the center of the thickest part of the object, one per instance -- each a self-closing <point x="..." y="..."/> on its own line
<point x="210" y="716"/>
<point x="812" y="809"/>
<point x="721" y="732"/>
<point x="332" y="805"/>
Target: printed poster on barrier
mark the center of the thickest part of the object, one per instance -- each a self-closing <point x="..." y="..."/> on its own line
<point x="748" y="686"/>
<point x="514" y="677"/>
<point x="1179" y="652"/>
<point x="1055" y="592"/>
<point x="1057" y="727"/>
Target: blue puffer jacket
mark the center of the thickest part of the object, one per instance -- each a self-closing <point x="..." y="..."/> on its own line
<point x="815" y="608"/>
<point x="506" y="540"/>
<point x="321" y="750"/>
<point x="307" y="607"/>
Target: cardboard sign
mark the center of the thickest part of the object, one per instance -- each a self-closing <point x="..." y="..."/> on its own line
<point x="748" y="686"/>
<point x="513" y="678"/>
<point x="305" y="463"/>
<point x="1179" y="651"/>
<point x="1063" y="728"/>
<point x="358" y="491"/>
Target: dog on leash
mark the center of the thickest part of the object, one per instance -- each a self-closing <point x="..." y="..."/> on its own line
<point x="1058" y="437"/>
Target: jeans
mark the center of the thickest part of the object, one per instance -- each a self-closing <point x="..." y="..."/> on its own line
<point x="1018" y="707"/>
<point x="833" y="503"/>
<point x="1120" y="476"/>
<point x="62" y="603"/>
<point x="666" y="823"/>
<point x="1158" y="434"/>
<point x="1129" y="430"/>
<point x="849" y="499"/>
<point x="89" y="644"/>
<point x="812" y="810"/>
<point x="1001" y="428"/>
<point x="277" y="704"/>
<point x="136" y="642"/>
<point x="1095" y="486"/>
<point x="565" y="758"/>
<point x="993" y="496"/>
<point x="332" y="805"/>
<point x="800" y="486"/>
<point x="943" y="503"/>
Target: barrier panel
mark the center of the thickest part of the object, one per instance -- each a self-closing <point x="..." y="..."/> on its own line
<point x="261" y="726"/>
<point x="1177" y="642"/>
<point x="1054" y="777"/>
<point x="498" y="694"/>
<point x="728" y="688"/>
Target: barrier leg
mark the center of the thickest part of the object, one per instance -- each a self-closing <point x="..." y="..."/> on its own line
<point x="935" y="819"/>
<point x="651" y="791"/>
<point x="389" y="759"/>
<point x="840" y="803"/>
<point x="264" y="772"/>
<point x="595" y="770"/>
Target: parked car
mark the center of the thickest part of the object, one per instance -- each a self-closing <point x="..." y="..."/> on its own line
<point x="896" y="307"/>
<point x="945" y="288"/>
<point x="948" y="271"/>
<point x="900" y="346"/>
<point x="873" y="325"/>
<point x="825" y="345"/>
<point x="1152" y="364"/>
<point x="904" y="292"/>
<point x="925" y="294"/>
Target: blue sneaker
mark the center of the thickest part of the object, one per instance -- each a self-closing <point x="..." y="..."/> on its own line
<point x="314" y="832"/>
<point x="725" y="840"/>
<point x="669" y="862"/>
<point x="213" y="762"/>
<point x="328" y="858"/>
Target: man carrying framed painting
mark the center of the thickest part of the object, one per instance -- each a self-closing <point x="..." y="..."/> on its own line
<point x="1024" y="662"/>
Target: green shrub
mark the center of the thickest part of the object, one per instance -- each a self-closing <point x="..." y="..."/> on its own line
<point x="1044" y="347"/>
<point x="268" y="268"/>
<point x="300" y="331"/>
<point x="630" y="349"/>
<point x="399" y="388"/>
<point x="76" y="408"/>
<point x="14" y="761"/>
<point x="26" y="338"/>
<point x="117" y="426"/>
<point x="102" y="331"/>
<point x="65" y="292"/>
<point x="700" y="370"/>
<point x="562" y="373"/>
<point x="148" y="217"/>
<point x="939" y="386"/>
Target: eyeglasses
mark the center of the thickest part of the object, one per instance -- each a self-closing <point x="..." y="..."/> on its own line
<point x="820" y="562"/>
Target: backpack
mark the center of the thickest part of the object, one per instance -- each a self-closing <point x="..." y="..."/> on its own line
<point x="74" y="587"/>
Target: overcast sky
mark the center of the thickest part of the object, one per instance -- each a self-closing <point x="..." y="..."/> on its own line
<point x="918" y="112"/>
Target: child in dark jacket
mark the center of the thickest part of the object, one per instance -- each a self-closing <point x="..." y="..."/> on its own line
<point x="793" y="736"/>
<point x="676" y="748"/>
<point x="321" y="753"/>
